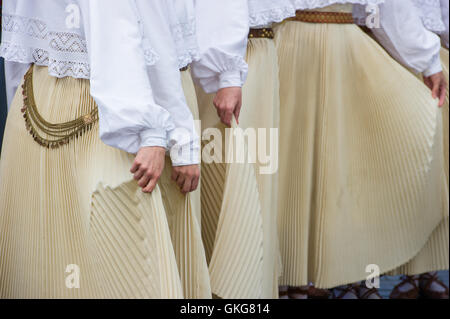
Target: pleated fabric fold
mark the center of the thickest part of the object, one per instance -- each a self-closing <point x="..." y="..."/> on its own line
<point x="435" y="254"/>
<point x="445" y="111"/>
<point x="191" y="99"/>
<point x="361" y="157"/>
<point x="184" y="218"/>
<point x="79" y="205"/>
<point x="239" y="203"/>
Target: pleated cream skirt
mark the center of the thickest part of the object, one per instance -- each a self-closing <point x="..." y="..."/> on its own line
<point x="239" y="204"/>
<point x="361" y="159"/>
<point x="191" y="99"/>
<point x="434" y="255"/>
<point x="445" y="111"/>
<point x="79" y="205"/>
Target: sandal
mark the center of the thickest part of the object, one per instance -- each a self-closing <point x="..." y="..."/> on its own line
<point x="371" y="293"/>
<point x="283" y="293"/>
<point x="345" y="292"/>
<point x="368" y="293"/>
<point x="426" y="281"/>
<point x="317" y="293"/>
<point x="413" y="293"/>
<point x="298" y="292"/>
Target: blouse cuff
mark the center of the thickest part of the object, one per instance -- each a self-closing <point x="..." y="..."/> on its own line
<point x="153" y="137"/>
<point x="188" y="154"/>
<point x="230" y="79"/>
<point x="217" y="70"/>
<point x="435" y="66"/>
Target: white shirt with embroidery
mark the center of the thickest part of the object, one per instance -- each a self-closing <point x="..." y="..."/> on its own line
<point x="434" y="14"/>
<point x="121" y="52"/>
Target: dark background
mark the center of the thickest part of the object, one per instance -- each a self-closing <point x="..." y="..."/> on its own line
<point x="2" y="101"/>
<point x="2" y="94"/>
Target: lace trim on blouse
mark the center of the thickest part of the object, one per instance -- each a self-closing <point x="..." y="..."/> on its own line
<point x="430" y="12"/>
<point x="26" y="40"/>
<point x="265" y="17"/>
<point x="312" y="4"/>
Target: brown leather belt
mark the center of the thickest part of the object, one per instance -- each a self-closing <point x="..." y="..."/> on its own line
<point x="323" y="17"/>
<point x="266" y="33"/>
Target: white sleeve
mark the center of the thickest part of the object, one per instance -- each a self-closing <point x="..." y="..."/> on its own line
<point x="404" y="36"/>
<point x="222" y="30"/>
<point x="14" y="73"/>
<point x="129" y="117"/>
<point x="444" y="11"/>
<point x="165" y="80"/>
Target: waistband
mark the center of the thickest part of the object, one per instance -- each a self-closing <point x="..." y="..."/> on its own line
<point x="265" y="33"/>
<point x="323" y="17"/>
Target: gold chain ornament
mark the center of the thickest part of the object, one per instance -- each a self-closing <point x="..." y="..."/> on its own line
<point x="58" y="134"/>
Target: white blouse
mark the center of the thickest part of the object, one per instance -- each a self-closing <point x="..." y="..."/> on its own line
<point x="165" y="80"/>
<point x="430" y="13"/>
<point x="184" y="29"/>
<point x="212" y="36"/>
<point x="314" y="4"/>
<point x="263" y="13"/>
<point x="409" y="42"/>
<point x="405" y="37"/>
<point x="445" y="12"/>
<point x="122" y="53"/>
<point x="434" y="14"/>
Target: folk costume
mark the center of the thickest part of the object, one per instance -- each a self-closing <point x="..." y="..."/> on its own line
<point x="92" y="97"/>
<point x="361" y="160"/>
<point x="239" y="200"/>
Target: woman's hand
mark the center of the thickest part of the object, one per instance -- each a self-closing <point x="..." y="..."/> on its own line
<point x="437" y="85"/>
<point x="186" y="177"/>
<point x="228" y="101"/>
<point x="148" y="166"/>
